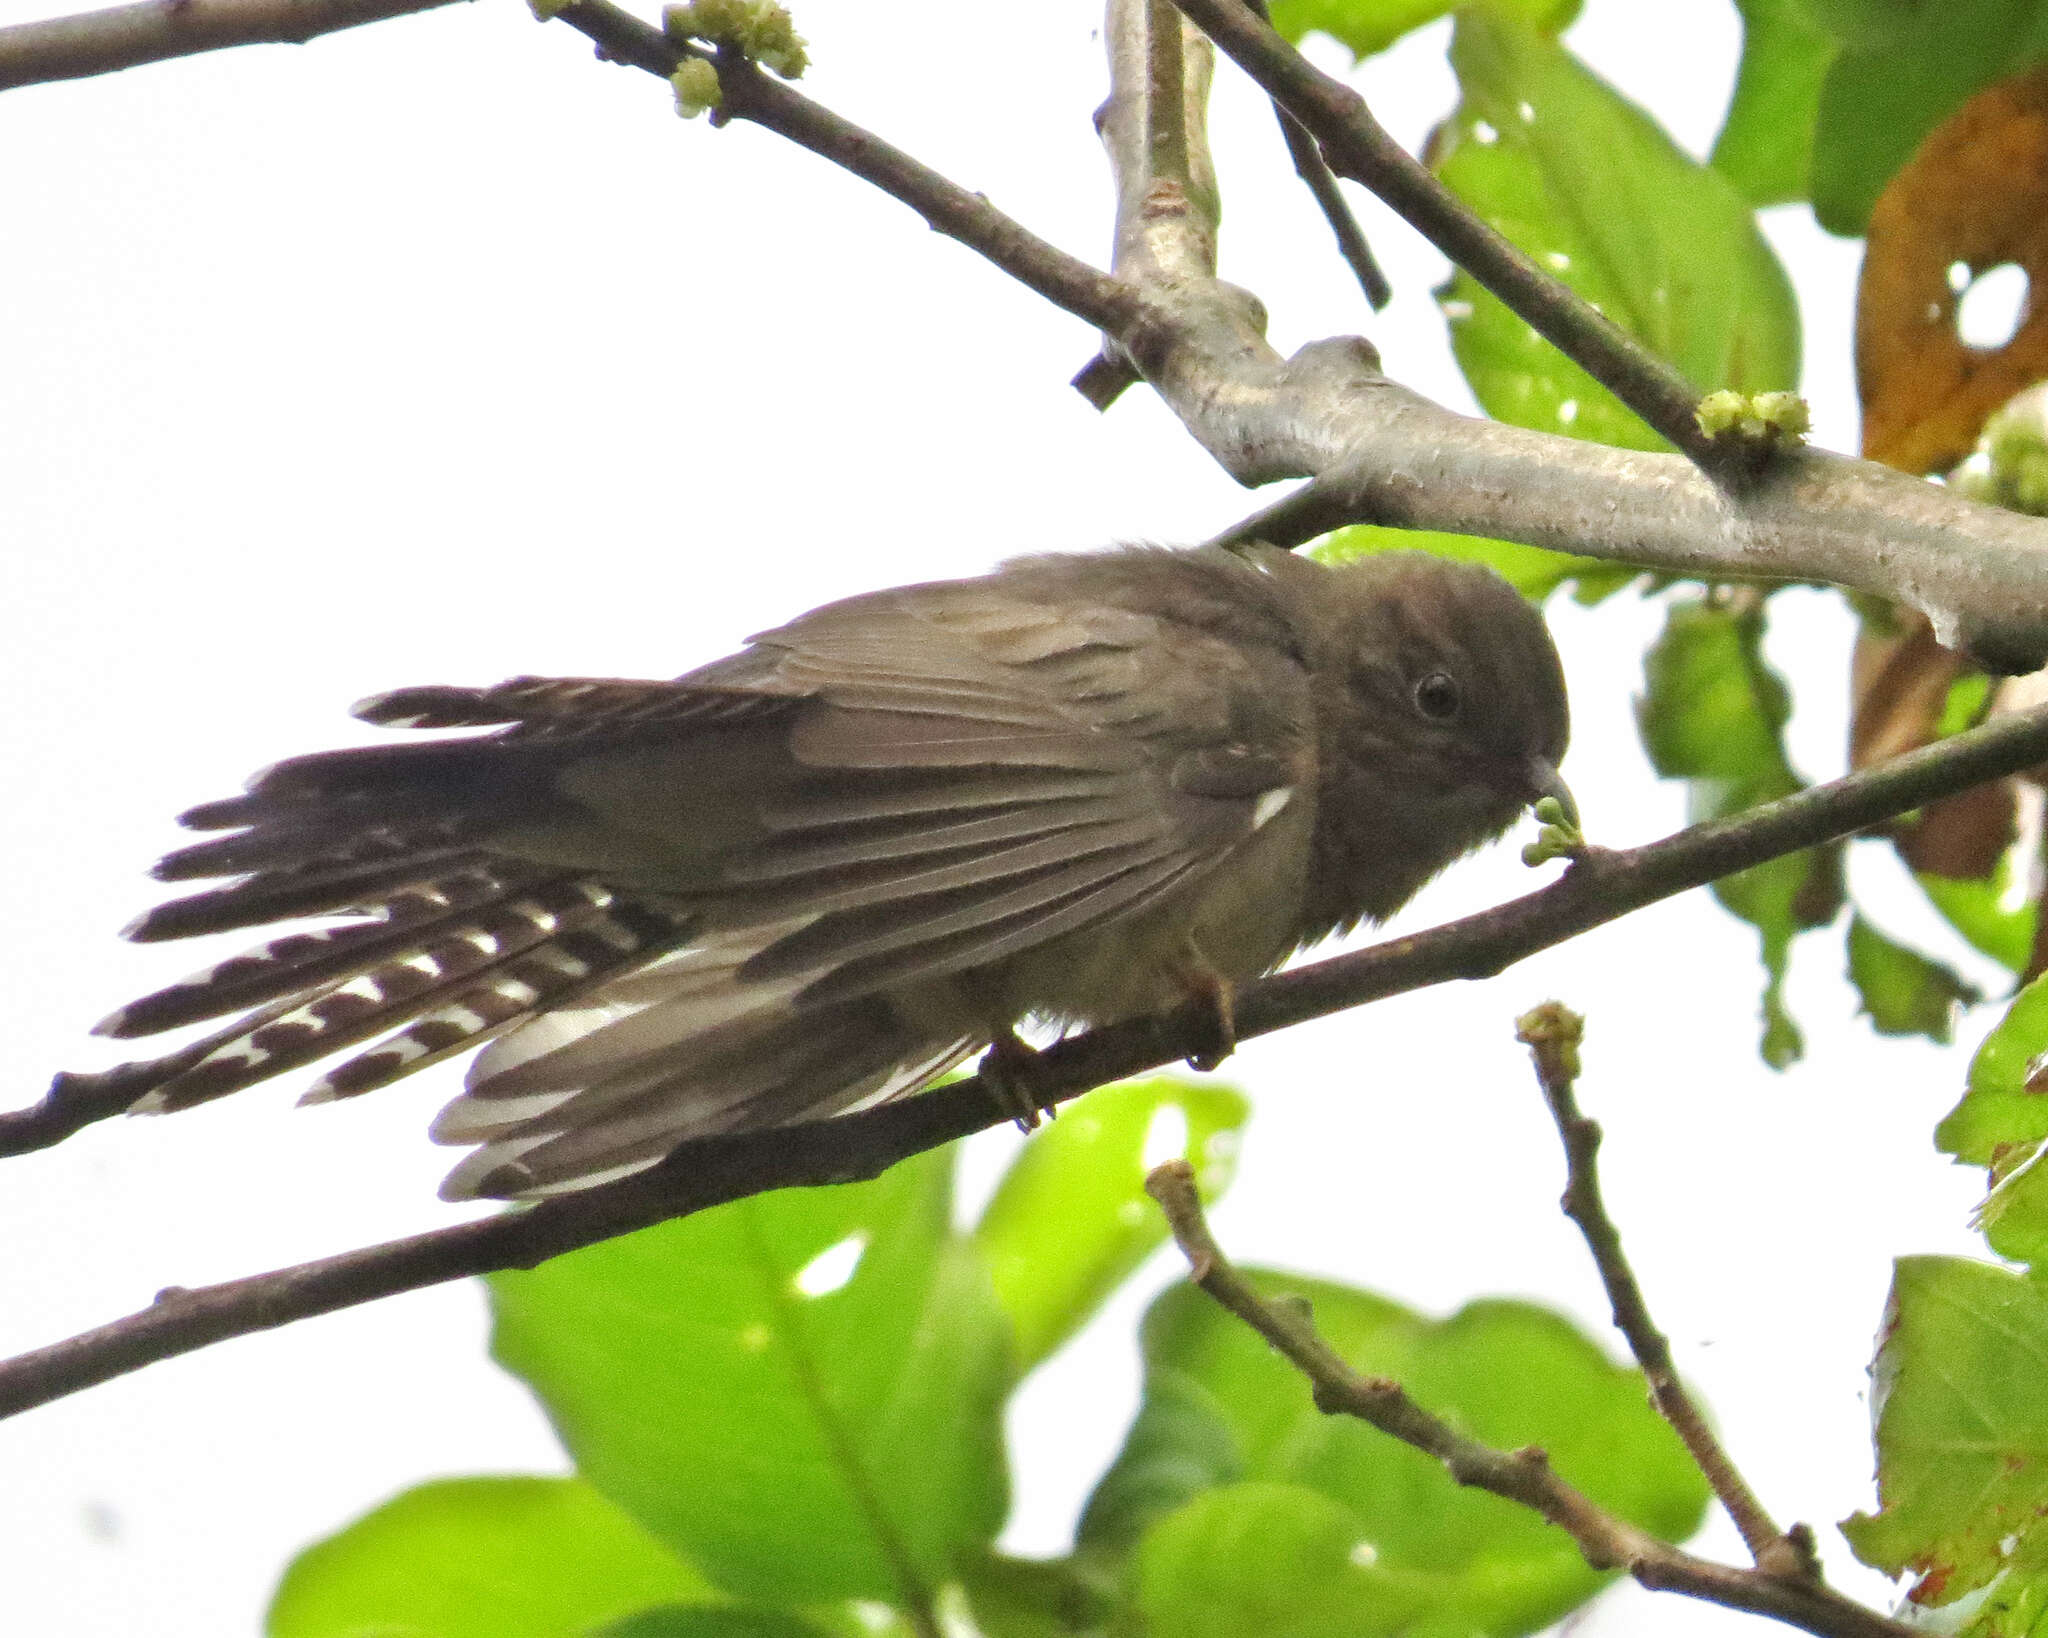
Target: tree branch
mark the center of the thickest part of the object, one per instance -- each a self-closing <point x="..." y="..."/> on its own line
<point x="103" y="42"/>
<point x="1598" y="888"/>
<point x="1552" y="1033"/>
<point x="1381" y="454"/>
<point x="1524" y="1476"/>
<point x="1357" y="146"/>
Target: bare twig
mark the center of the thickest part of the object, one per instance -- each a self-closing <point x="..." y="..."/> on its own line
<point x="1524" y="1476"/>
<point x="1552" y="1033"/>
<point x="1314" y="172"/>
<point x="1357" y="146"/>
<point x="103" y="42"/>
<point x="1598" y="888"/>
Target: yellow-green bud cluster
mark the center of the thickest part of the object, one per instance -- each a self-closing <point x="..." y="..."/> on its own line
<point x="762" y="29"/>
<point x="546" y="10"/>
<point x="696" y="86"/>
<point x="1763" y="418"/>
<point x="1558" y="838"/>
<point x="2010" y="468"/>
<point x="1555" y="1028"/>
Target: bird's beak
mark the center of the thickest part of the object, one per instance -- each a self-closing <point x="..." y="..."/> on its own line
<point x="1544" y="780"/>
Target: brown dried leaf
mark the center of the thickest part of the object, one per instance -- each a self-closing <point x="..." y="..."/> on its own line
<point x="1900" y="680"/>
<point x="1976" y="193"/>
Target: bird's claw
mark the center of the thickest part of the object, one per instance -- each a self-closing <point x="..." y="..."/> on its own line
<point x="1006" y="1069"/>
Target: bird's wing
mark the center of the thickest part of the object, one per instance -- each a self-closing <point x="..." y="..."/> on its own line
<point x="905" y="785"/>
<point x="982" y="772"/>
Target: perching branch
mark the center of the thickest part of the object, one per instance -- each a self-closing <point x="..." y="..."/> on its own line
<point x="1552" y="1034"/>
<point x="1598" y="888"/>
<point x="1524" y="1476"/>
<point x="103" y="42"/>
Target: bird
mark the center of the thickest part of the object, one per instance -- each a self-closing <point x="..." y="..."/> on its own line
<point x="824" y="870"/>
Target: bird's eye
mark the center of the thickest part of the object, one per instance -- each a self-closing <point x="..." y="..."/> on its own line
<point x="1437" y="696"/>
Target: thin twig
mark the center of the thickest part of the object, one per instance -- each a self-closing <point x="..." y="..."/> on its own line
<point x="1314" y="172"/>
<point x="1552" y="1033"/>
<point x="1598" y="888"/>
<point x="1357" y="146"/>
<point x="1524" y="1476"/>
<point x="104" y="42"/>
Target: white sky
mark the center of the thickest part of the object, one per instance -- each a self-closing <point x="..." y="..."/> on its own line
<point x="436" y="352"/>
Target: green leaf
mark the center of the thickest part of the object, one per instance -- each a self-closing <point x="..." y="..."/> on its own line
<point x="1904" y="69"/>
<point x="1369" y="26"/>
<point x="1978" y="909"/>
<point x="2014" y="1217"/>
<point x="1766" y="142"/>
<point x="1033" y="1598"/>
<point x="1277" y="1561"/>
<point x="1594" y="191"/>
<point x="479" y="1558"/>
<point x="2003" y="1115"/>
<point x="1962" y="1427"/>
<point x="1713" y="714"/>
<point x="800" y="1442"/>
<point x="710" y="1621"/>
<point x="1225" y="1422"/>
<point x="1531" y="570"/>
<point x="1903" y="991"/>
<point x="1071" y="1220"/>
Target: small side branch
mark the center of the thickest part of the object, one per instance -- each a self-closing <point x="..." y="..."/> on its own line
<point x="1357" y="146"/>
<point x="103" y="42"/>
<point x="1314" y="172"/>
<point x="1524" y="1476"/>
<point x="1552" y="1034"/>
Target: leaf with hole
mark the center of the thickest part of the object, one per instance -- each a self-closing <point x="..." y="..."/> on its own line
<point x="1973" y="201"/>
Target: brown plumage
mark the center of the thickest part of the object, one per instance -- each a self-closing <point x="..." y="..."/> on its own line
<point x="819" y="872"/>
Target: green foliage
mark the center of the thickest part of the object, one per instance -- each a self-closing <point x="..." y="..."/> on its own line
<point x="740" y="1439"/>
<point x="1229" y="1453"/>
<point x="1368" y="26"/>
<point x="1903" y="991"/>
<point x="1766" y="142"/>
<point x="1595" y="192"/>
<point x="456" y="1559"/>
<point x="1902" y="69"/>
<point x="1531" y="570"/>
<point x="797" y="1447"/>
<point x="1961" y="1425"/>
<point x="2002" y="1118"/>
<point x="1713" y="713"/>
<point x="1980" y="911"/>
<point x="1071" y="1221"/>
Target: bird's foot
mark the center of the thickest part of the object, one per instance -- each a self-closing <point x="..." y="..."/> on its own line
<point x="1007" y="1068"/>
<point x="1217" y="998"/>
